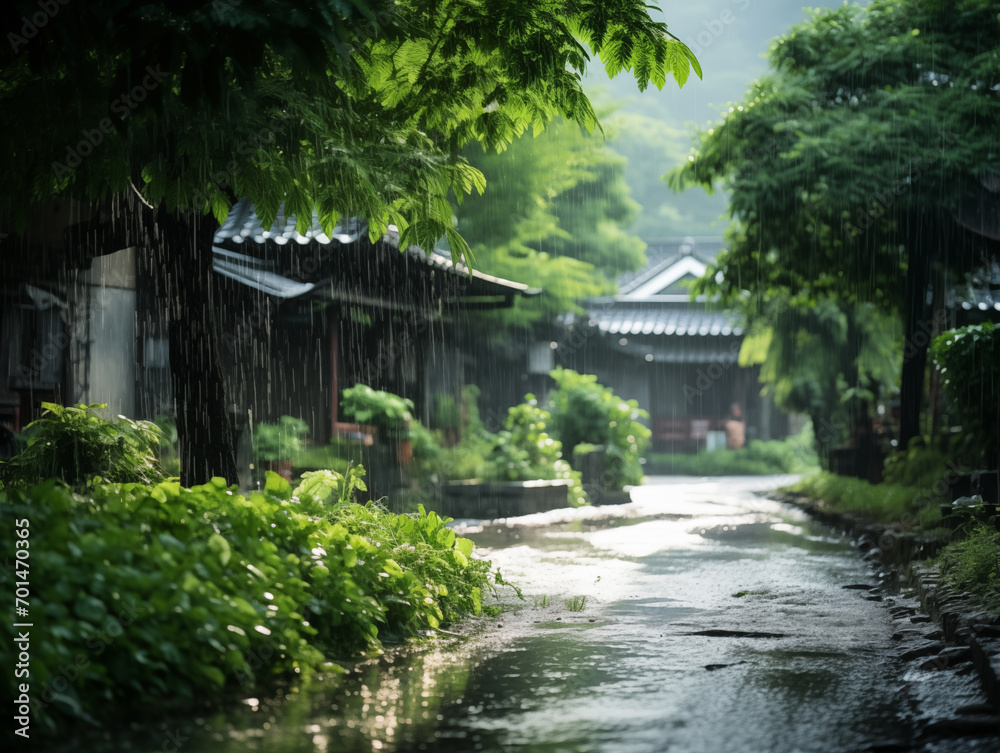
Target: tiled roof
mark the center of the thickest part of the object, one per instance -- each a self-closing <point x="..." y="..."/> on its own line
<point x="663" y="321"/>
<point x="981" y="293"/>
<point x="242" y="225"/>
<point x="660" y="254"/>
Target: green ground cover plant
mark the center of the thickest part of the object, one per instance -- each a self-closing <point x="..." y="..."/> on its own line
<point x="972" y="565"/>
<point x="156" y="594"/>
<point x="884" y="503"/>
<point x="792" y="455"/>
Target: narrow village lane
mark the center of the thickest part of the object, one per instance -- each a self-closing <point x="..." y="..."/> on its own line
<point x="715" y="620"/>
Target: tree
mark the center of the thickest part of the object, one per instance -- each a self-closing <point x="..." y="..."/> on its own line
<point x="848" y="162"/>
<point x="829" y="361"/>
<point x="553" y="215"/>
<point x="165" y="113"/>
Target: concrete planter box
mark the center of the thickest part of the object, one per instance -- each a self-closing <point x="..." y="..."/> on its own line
<point x="601" y="497"/>
<point x="491" y="500"/>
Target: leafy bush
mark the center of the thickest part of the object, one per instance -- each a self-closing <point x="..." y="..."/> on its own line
<point x="389" y="413"/>
<point x="328" y="457"/>
<point x="155" y="594"/>
<point x="524" y="451"/>
<point x="795" y="454"/>
<point x="967" y="359"/>
<point x="973" y="564"/>
<point x="584" y="411"/>
<point x="75" y="444"/>
<point x="279" y="441"/>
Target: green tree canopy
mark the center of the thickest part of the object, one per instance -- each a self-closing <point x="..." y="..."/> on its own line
<point x="346" y="107"/>
<point x="849" y="159"/>
<point x="553" y="216"/>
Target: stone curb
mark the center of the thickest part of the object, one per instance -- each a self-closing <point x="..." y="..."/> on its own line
<point x="962" y="621"/>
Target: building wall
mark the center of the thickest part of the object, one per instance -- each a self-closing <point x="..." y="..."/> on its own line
<point x="104" y="353"/>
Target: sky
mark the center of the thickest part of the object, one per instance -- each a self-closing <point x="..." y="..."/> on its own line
<point x="654" y="128"/>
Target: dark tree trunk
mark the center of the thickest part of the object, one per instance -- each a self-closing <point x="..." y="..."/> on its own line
<point x="916" y="333"/>
<point x="178" y="256"/>
<point x="183" y="262"/>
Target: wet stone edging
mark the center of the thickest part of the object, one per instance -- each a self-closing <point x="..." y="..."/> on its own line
<point x="962" y="633"/>
<point x="963" y="623"/>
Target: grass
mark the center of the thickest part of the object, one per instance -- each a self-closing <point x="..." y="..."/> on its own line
<point x="973" y="565"/>
<point x="792" y="455"/>
<point x="576" y="604"/>
<point x="882" y="503"/>
<point x="542" y="601"/>
<point x="740" y="594"/>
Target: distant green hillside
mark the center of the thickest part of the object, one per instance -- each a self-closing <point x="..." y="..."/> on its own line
<point x="653" y="129"/>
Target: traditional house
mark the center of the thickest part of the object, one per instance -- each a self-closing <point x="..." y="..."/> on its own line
<point x="301" y="317"/>
<point x="677" y="357"/>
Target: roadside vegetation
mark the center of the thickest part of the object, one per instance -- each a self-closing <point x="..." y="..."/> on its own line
<point x="882" y="503"/>
<point x="792" y="455"/>
<point x="923" y="479"/>
<point x="156" y="595"/>
<point x="972" y="565"/>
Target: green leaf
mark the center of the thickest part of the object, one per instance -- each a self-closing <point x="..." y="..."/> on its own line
<point x="90" y="609"/>
<point x="220" y="547"/>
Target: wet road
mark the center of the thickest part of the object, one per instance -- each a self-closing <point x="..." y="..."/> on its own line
<point x="720" y="623"/>
<point x="698" y="618"/>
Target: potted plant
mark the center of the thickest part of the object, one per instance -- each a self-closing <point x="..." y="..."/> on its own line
<point x="390" y="414"/>
<point x="275" y="445"/>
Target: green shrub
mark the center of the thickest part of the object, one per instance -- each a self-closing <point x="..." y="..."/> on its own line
<point x="973" y="565"/>
<point x="447" y="412"/>
<point x="968" y="360"/>
<point x="279" y="441"/>
<point x="157" y="594"/>
<point x="524" y="450"/>
<point x="584" y="411"/>
<point x="76" y="445"/>
<point x="389" y="413"/>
